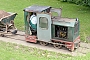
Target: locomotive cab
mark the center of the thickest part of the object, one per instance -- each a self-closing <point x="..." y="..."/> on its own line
<point x="32" y="25"/>
<point x="49" y="27"/>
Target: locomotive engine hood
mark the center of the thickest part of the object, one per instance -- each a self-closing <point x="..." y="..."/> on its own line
<point x="65" y="21"/>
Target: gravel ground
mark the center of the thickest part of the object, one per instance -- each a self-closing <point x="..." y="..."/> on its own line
<point x="20" y="39"/>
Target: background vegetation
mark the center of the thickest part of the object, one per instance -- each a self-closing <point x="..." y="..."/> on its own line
<point x="79" y="2"/>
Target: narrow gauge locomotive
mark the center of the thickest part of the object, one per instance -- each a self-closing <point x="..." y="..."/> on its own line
<point x="48" y="26"/>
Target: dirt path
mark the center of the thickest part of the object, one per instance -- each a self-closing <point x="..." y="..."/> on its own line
<point x="20" y="39"/>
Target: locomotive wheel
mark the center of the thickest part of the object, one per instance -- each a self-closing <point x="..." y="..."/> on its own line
<point x="43" y="43"/>
<point x="72" y="50"/>
<point x="78" y="45"/>
<point x="57" y="46"/>
<point x="2" y="35"/>
<point x="14" y="32"/>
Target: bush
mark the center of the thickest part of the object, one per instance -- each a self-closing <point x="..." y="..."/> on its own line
<point x="79" y="2"/>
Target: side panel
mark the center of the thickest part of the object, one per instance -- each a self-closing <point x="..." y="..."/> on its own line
<point x="8" y="19"/>
<point x="26" y="23"/>
<point x="44" y="30"/>
<point x="70" y="34"/>
<point x="76" y="31"/>
<point x="53" y="30"/>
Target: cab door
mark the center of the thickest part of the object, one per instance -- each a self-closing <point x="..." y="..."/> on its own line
<point x="44" y="27"/>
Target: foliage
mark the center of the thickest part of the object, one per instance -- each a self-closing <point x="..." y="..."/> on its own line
<point x="81" y="2"/>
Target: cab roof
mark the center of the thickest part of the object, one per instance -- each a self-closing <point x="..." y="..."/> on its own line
<point x="36" y="8"/>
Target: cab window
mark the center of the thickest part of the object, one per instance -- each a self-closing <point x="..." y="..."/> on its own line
<point x="43" y="22"/>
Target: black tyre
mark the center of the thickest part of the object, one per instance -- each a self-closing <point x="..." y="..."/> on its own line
<point x="14" y="32"/>
<point x="2" y="35"/>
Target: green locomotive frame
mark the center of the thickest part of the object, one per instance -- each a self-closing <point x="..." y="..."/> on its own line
<point x="52" y="28"/>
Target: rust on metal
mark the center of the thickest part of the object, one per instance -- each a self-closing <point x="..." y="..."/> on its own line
<point x="3" y="14"/>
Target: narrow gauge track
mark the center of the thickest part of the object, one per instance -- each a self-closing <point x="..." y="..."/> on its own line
<point x="19" y="38"/>
<point x="16" y="38"/>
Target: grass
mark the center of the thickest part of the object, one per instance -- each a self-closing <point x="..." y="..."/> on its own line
<point x="9" y="51"/>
